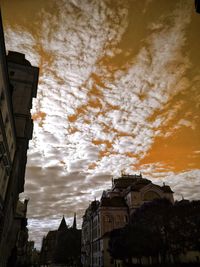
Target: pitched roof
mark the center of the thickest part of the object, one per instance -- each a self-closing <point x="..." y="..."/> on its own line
<point x="63" y="225"/>
<point x="51" y="235"/>
<point x="113" y="202"/>
<point x="138" y="185"/>
<point x="74" y="222"/>
<point x="123" y="182"/>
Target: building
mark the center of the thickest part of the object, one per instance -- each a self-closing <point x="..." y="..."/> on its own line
<point x="20" y="227"/>
<point x="7" y="128"/>
<point x="62" y="247"/>
<point x="113" y="211"/>
<point x="32" y="257"/>
<point x="197" y="5"/>
<point x="18" y="86"/>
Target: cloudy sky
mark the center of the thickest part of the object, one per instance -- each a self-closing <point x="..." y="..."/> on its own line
<point x="119" y="89"/>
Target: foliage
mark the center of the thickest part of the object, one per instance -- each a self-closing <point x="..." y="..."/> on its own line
<point x="158" y="227"/>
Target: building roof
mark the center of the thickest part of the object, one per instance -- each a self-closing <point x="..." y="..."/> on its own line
<point x="63" y="225"/>
<point x="51" y="234"/>
<point x="166" y="189"/>
<point x="139" y="184"/>
<point x="126" y="180"/>
<point x="123" y="182"/>
<point x="18" y="58"/>
<point x="74" y="222"/>
<point x="113" y="202"/>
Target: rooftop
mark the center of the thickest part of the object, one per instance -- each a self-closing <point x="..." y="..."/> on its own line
<point x="113" y="202"/>
<point x="126" y="180"/>
<point x="18" y="58"/>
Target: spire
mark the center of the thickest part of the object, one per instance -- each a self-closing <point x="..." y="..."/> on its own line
<point x="63" y="225"/>
<point x="74" y="222"/>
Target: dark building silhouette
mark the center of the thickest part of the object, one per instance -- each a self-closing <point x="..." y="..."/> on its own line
<point x="32" y="257"/>
<point x="62" y="246"/>
<point x="74" y="222"/>
<point x="197" y="5"/>
<point x="18" y="85"/>
<point x="19" y="252"/>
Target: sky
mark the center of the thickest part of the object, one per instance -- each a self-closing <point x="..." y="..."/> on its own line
<point x="119" y="90"/>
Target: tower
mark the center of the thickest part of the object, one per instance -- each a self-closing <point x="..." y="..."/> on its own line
<point x="63" y="225"/>
<point x="74" y="222"/>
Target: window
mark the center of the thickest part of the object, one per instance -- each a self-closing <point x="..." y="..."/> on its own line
<point x="107" y="218"/>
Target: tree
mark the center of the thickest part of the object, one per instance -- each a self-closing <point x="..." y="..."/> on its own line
<point x="154" y="216"/>
<point x="133" y="241"/>
<point x="159" y="228"/>
<point x="184" y="230"/>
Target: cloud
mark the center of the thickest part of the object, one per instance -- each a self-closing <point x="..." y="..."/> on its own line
<point x="23" y="42"/>
<point x="185" y="184"/>
<point x="186" y="123"/>
<point x="42" y="226"/>
<point x="100" y="104"/>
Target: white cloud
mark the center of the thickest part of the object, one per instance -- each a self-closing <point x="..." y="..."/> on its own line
<point x="23" y="42"/>
<point x="66" y="169"/>
<point x="186" y="123"/>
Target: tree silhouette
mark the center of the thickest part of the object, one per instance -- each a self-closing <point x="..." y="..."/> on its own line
<point x="184" y="231"/>
<point x="158" y="228"/>
<point x="134" y="240"/>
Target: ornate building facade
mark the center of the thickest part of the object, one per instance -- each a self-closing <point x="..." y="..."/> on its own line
<point x="18" y="86"/>
<point x="113" y="211"/>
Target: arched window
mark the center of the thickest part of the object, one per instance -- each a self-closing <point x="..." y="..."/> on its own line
<point x="107" y="218"/>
